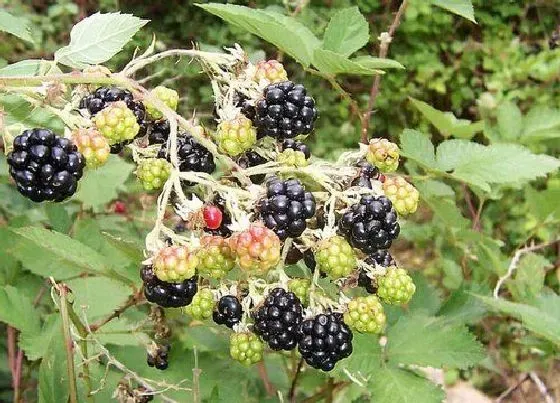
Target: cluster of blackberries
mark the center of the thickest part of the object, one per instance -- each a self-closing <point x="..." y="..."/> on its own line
<point x="381" y="257"/>
<point x="370" y="224"/>
<point x="296" y="146"/>
<point x="284" y="111"/>
<point x="324" y="340"/>
<point x="286" y="207"/>
<point x="278" y="319"/>
<point x="159" y="357"/>
<point x="45" y="166"/>
<point x="168" y="295"/>
<point x="366" y="174"/>
<point x="228" y="311"/>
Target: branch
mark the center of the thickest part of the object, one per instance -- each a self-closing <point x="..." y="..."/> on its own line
<point x="292" y="394"/>
<point x="385" y="38"/>
<point x="68" y="342"/>
<point x="133" y="300"/>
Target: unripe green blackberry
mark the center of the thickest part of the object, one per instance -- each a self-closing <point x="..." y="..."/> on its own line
<point x="335" y="257"/>
<point x="202" y="305"/>
<point x="402" y="194"/>
<point x="292" y="157"/>
<point x="383" y="154"/>
<point x="246" y="348"/>
<point x="166" y="95"/>
<point x="257" y="249"/>
<point x="270" y="70"/>
<point x="153" y="172"/>
<point x="175" y="264"/>
<point x="236" y="136"/>
<point x="365" y="315"/>
<point x="93" y="146"/>
<point x="216" y="257"/>
<point x="117" y="123"/>
<point x="300" y="287"/>
<point x="395" y="287"/>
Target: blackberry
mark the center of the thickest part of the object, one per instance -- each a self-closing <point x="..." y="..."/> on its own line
<point x="395" y="287"/>
<point x="252" y="159"/>
<point x="324" y="340"/>
<point x="167" y="96"/>
<point x="365" y="315"/>
<point x="223" y="230"/>
<point x="296" y="146"/>
<point x="102" y="96"/>
<point x="159" y="357"/>
<point x="228" y="311"/>
<point x="370" y="224"/>
<point x="286" y="207"/>
<point x="192" y="155"/>
<point x="284" y="111"/>
<point x="277" y="320"/>
<point x="383" y="154"/>
<point x="366" y="173"/>
<point x="246" y="348"/>
<point x="335" y="257"/>
<point x="381" y="257"/>
<point x="159" y="132"/>
<point x="167" y="295"/>
<point x="45" y="166"/>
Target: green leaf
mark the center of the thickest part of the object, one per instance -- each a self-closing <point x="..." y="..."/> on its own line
<point x="371" y="62"/>
<point x="447" y="211"/>
<point x="529" y="277"/>
<point x="58" y="217"/>
<point x="334" y="63"/>
<point x="462" y="307"/>
<point x="544" y="204"/>
<point x="393" y="385"/>
<point x="17" y="311"/>
<point x="542" y="319"/>
<point x="510" y="121"/>
<point x="456" y="347"/>
<point x="31" y="67"/>
<point x="53" y="375"/>
<point x="433" y="188"/>
<point x="541" y="123"/>
<point x="347" y="32"/>
<point x="100" y="186"/>
<point x="18" y="26"/>
<point x="418" y="147"/>
<point x="365" y="358"/>
<point x="35" y="344"/>
<point x="426" y="299"/>
<point x="464" y="8"/>
<point x="20" y="111"/>
<point x="286" y="33"/>
<point x="446" y="122"/>
<point x="453" y="274"/>
<point x="98" y="38"/>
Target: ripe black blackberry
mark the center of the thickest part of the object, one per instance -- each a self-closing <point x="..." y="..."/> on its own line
<point x="296" y="146"/>
<point x="324" y="340"/>
<point x="284" y="111"/>
<point x="228" y="311"/>
<point x="381" y="257"/>
<point x="252" y="159"/>
<point x="167" y="295"/>
<point x="99" y="99"/>
<point x="159" y="357"/>
<point x="192" y="155"/>
<point x="159" y="132"/>
<point x="367" y="172"/>
<point x="370" y="224"/>
<point x="278" y="319"/>
<point x="45" y="166"/>
<point x="286" y="207"/>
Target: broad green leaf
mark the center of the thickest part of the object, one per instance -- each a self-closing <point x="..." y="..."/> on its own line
<point x="453" y="274"/>
<point x="528" y="281"/>
<point x="462" y="307"/>
<point x="17" y="311"/>
<point x="434" y="344"/>
<point x="122" y="332"/>
<point x="35" y="344"/>
<point x="393" y="385"/>
<point x="31" y="67"/>
<point x="371" y="62"/>
<point x="98" y="38"/>
<point x="418" y="147"/>
<point x="510" y="121"/>
<point x="541" y="123"/>
<point x="286" y="33"/>
<point x="59" y="218"/>
<point x="18" y="26"/>
<point x="100" y="186"/>
<point x="333" y="63"/>
<point x="544" y="204"/>
<point x="426" y="299"/>
<point x="542" y="320"/>
<point x="447" y="211"/>
<point x="464" y="8"/>
<point x="365" y="358"/>
<point x="18" y="110"/>
<point x="433" y="188"/>
<point x="53" y="375"/>
<point x="346" y="32"/>
<point x="446" y="122"/>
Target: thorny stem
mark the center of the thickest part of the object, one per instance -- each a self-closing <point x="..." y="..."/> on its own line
<point x="383" y="50"/>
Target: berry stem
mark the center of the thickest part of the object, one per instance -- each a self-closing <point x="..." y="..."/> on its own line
<point x="68" y="342"/>
<point x="292" y="393"/>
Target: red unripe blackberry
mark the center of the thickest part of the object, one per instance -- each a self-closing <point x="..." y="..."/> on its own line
<point x="212" y="216"/>
<point x="119" y="207"/>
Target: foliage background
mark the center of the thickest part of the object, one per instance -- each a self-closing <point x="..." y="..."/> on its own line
<point x="502" y="71"/>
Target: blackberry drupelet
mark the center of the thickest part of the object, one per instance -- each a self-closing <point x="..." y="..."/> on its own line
<point x="286" y="207"/>
<point x="45" y="166"/>
<point x="366" y="173"/>
<point x="325" y="340"/>
<point x="192" y="155"/>
<point x="228" y="311"/>
<point x="252" y="159"/>
<point x="370" y="224"/>
<point x="277" y="320"/>
<point x="284" y="111"/>
<point x="159" y="358"/>
<point x="167" y="295"/>
<point x="381" y="257"/>
<point x="296" y="146"/>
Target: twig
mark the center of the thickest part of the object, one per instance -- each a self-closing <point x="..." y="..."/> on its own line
<point x="383" y="50"/>
<point x="263" y="374"/>
<point x="292" y="394"/>
<point x="474" y="212"/>
<point x="63" y="292"/>
<point x="133" y="300"/>
<point x="541" y="386"/>
<point x="196" y="378"/>
<point x="515" y="262"/>
<point x="512" y="388"/>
